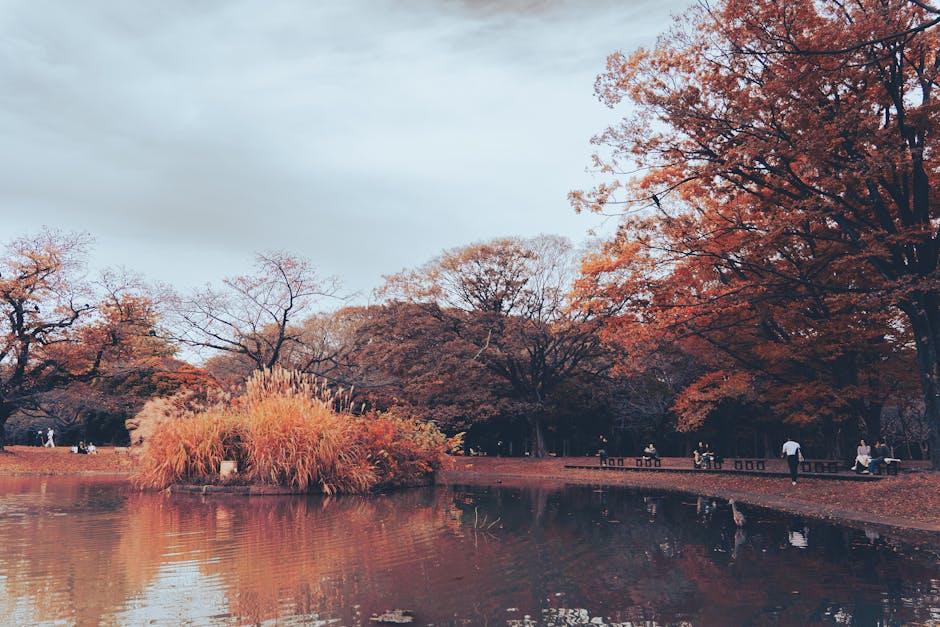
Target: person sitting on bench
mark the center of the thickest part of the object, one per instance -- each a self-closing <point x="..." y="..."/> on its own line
<point x="698" y="455"/>
<point x="862" y="457"/>
<point x="650" y="452"/>
<point x="878" y="455"/>
<point x="710" y="456"/>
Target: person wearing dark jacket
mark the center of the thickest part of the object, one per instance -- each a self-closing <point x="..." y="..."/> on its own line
<point x="650" y="452"/>
<point x="878" y="454"/>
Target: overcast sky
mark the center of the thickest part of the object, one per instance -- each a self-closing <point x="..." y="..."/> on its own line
<point x="366" y="135"/>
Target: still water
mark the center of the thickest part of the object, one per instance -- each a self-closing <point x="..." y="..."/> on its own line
<point x="93" y="551"/>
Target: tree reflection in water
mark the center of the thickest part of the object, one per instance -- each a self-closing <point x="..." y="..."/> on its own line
<point x="94" y="552"/>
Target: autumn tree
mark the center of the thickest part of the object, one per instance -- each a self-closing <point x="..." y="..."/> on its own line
<point x="507" y="301"/>
<point x="58" y="330"/>
<point x="319" y="345"/>
<point x="644" y="391"/>
<point x="405" y="357"/>
<point x="783" y="155"/>
<point x="258" y="318"/>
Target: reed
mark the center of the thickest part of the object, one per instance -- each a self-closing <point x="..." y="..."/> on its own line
<point x="293" y="430"/>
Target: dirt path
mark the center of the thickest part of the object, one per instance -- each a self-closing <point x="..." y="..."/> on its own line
<point x="908" y="504"/>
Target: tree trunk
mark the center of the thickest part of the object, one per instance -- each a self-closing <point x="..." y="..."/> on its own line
<point x="925" y="322"/>
<point x="5" y="412"/>
<point x="538" y="437"/>
<point x="873" y="421"/>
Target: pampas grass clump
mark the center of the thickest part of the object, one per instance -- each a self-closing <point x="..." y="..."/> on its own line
<point x="290" y="430"/>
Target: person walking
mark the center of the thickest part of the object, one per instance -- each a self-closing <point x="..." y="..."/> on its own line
<point x="50" y="442"/>
<point x="40" y="440"/>
<point x="602" y="449"/>
<point x="791" y="451"/>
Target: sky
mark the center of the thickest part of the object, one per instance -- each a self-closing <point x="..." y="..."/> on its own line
<point x="365" y="135"/>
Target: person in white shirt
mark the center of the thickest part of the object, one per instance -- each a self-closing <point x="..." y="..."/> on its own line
<point x="791" y="451"/>
<point x="50" y="443"/>
<point x="863" y="456"/>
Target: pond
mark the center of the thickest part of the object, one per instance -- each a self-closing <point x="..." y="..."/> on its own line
<point x="94" y="551"/>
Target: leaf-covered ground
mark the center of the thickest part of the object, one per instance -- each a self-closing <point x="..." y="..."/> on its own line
<point x="59" y="460"/>
<point x="910" y="500"/>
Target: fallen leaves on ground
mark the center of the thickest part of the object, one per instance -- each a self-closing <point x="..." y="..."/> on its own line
<point x="60" y="460"/>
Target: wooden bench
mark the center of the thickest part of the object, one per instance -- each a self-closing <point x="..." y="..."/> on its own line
<point x="707" y="464"/>
<point x="890" y="466"/>
<point x="647" y="462"/>
<point x="821" y="466"/>
<point x="750" y="464"/>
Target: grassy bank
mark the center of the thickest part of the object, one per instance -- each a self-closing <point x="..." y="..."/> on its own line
<point x="909" y="501"/>
<point x="25" y="460"/>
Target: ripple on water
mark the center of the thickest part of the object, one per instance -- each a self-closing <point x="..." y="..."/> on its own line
<point x="95" y="552"/>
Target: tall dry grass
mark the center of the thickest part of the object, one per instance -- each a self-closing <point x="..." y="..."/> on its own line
<point x="291" y="430"/>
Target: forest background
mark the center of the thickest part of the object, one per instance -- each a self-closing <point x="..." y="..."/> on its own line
<point x="774" y="273"/>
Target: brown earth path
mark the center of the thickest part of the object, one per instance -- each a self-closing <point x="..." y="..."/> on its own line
<point x="908" y="504"/>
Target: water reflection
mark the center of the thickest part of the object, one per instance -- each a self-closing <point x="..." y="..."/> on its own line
<point x="92" y="551"/>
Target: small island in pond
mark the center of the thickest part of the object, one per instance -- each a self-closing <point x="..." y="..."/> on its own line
<point x="289" y="430"/>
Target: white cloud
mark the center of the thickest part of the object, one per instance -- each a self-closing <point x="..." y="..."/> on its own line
<point x="367" y="134"/>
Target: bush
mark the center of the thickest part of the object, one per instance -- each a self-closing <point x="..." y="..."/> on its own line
<point x="288" y="430"/>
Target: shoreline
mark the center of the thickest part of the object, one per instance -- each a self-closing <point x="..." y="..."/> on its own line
<point x="517" y="472"/>
<point x="25" y="461"/>
<point x="913" y="500"/>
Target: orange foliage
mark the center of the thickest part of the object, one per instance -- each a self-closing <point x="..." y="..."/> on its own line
<point x="783" y="228"/>
<point x="286" y="430"/>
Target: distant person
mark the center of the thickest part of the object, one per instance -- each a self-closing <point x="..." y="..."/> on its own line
<point x="791" y="451"/>
<point x="878" y="456"/>
<point x="40" y="440"/>
<point x="50" y="439"/>
<point x="708" y="455"/>
<point x="650" y="452"/>
<point x="698" y="455"/>
<point x="715" y="456"/>
<point x="82" y="449"/>
<point x="91" y="449"/>
<point x="862" y="457"/>
<point x="602" y="449"/>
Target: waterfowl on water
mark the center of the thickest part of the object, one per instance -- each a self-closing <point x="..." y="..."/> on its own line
<point x="738" y="517"/>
